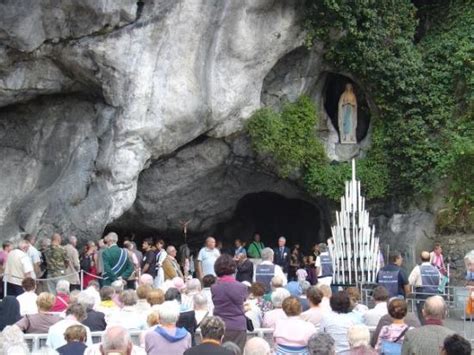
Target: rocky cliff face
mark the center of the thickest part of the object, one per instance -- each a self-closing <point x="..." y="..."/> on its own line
<point x="127" y="114"/>
<point x="93" y="92"/>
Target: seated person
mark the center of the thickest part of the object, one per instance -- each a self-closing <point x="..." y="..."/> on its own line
<point x="292" y="333"/>
<point x="62" y="296"/>
<point x="75" y="336"/>
<point x="75" y="314"/>
<point x="27" y="299"/>
<point x="212" y="333"/>
<point x="372" y="316"/>
<point x="128" y="316"/>
<point x="167" y="335"/>
<point x="271" y="317"/>
<point x="107" y="305"/>
<point x="43" y="320"/>
<point x="359" y="338"/>
<point x="95" y="320"/>
<point x="315" y="313"/>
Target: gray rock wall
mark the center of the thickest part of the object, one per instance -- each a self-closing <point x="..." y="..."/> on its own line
<point x="151" y="79"/>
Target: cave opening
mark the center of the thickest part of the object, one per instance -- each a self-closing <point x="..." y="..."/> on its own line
<point x="334" y="87"/>
<point x="268" y="213"/>
<point x="273" y="215"/>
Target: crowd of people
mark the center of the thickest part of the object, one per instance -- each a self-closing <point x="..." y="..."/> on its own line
<point x="210" y="305"/>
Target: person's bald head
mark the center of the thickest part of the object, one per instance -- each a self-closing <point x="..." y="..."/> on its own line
<point x="434" y="308"/>
<point x="257" y="346"/>
<point x="56" y="239"/>
<point x="425" y="256"/>
<point x="210" y="242"/>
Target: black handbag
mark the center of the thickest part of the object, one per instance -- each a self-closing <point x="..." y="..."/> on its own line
<point x="250" y="327"/>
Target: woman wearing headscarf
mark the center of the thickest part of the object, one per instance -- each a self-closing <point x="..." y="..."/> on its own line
<point x="10" y="311"/>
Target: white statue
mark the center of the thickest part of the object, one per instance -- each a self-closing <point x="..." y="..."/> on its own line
<point x="347" y="116"/>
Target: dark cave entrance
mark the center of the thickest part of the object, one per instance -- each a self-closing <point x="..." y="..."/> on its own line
<point x="273" y="215"/>
<point x="334" y="87"/>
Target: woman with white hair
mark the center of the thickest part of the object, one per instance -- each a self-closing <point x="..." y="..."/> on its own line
<point x="358" y="337"/>
<point x="166" y="336"/>
<point x="62" y="296"/>
<point x="193" y="287"/>
<point x="271" y="317"/>
<point x="201" y="309"/>
<point x="12" y="341"/>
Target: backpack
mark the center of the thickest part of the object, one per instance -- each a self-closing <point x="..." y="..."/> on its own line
<point x="393" y="347"/>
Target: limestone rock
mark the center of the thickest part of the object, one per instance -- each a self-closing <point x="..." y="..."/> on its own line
<point x="119" y="92"/>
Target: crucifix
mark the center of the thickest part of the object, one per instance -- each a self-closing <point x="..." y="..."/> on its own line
<point x="184" y="224"/>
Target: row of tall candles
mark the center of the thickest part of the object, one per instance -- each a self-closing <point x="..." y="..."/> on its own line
<point x="353" y="247"/>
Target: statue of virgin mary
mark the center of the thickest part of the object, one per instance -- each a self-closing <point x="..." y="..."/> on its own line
<point x="347" y="116"/>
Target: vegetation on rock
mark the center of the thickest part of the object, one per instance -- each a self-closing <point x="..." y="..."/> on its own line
<point x="423" y="130"/>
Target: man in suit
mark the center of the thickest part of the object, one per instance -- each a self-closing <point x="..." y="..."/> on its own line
<point x="115" y="261"/>
<point x="429" y="338"/>
<point x="282" y="255"/>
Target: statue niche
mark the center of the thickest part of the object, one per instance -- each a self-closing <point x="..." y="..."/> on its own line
<point x="347" y="116"/>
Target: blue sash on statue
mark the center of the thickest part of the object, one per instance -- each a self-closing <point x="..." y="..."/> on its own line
<point x="120" y="262"/>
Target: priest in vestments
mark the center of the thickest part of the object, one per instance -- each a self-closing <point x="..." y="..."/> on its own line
<point x="115" y="261"/>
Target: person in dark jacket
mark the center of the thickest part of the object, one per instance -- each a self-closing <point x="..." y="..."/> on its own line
<point x="244" y="268"/>
<point x="75" y="336"/>
<point x="282" y="255"/>
<point x="9" y="311"/>
<point x="228" y="296"/>
<point x="95" y="320"/>
<point x="212" y="332"/>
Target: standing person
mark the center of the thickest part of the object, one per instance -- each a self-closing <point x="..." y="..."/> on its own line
<point x="324" y="265"/>
<point x="6" y="248"/>
<point x="34" y="255"/>
<point x="18" y="267"/>
<point x="282" y="255"/>
<point x="56" y="262"/>
<point x="244" y="268"/>
<point x="171" y="267"/>
<point x="425" y="279"/>
<point x="116" y="262"/>
<point x="429" y="338"/>
<point x="101" y="246"/>
<point x="228" y="296"/>
<point x="437" y="259"/>
<point x="239" y="248"/>
<point x="294" y="264"/>
<point x="74" y="265"/>
<point x="393" y="277"/>
<point x="255" y="248"/>
<point x="149" y="255"/>
<point x="207" y="257"/>
<point x="159" y="260"/>
<point x="89" y="264"/>
<point x="266" y="270"/>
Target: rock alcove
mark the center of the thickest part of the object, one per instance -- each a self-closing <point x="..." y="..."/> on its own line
<point x="221" y="190"/>
<point x="333" y="89"/>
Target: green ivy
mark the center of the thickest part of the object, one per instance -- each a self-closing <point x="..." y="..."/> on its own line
<point x="289" y="138"/>
<point x="423" y="130"/>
